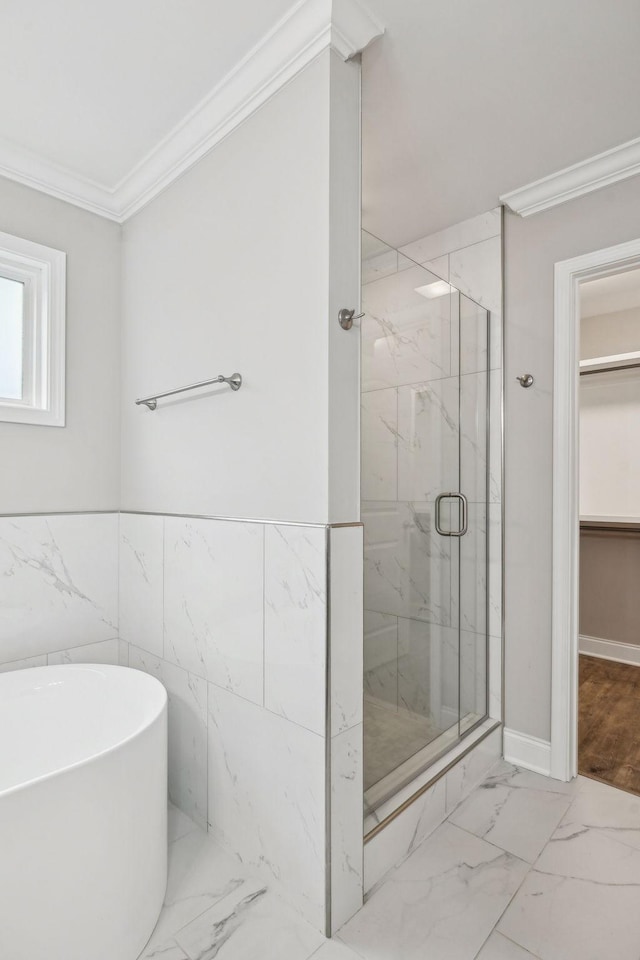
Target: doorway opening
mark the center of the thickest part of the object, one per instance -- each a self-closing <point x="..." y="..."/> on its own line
<point x="596" y="514"/>
<point x="609" y="569"/>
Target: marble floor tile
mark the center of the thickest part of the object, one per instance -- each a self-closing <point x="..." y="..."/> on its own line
<point x="498" y="947"/>
<point x="517" y="819"/>
<point x="561" y="918"/>
<point x="334" y="950"/>
<point x="200" y="874"/>
<point x="251" y="922"/>
<point x="443" y="901"/>
<point x="580" y="900"/>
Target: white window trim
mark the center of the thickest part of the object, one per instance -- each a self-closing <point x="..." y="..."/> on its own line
<point x="43" y="270"/>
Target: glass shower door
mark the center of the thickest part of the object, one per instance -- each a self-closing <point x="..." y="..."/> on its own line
<point x="424" y="438"/>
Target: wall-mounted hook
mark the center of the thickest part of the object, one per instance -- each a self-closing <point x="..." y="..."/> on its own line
<point x="526" y="380"/>
<point x="346" y="318"/>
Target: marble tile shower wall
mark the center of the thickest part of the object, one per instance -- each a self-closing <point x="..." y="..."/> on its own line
<point x="232" y="618"/>
<point x="59" y="590"/>
<point x="411" y="407"/>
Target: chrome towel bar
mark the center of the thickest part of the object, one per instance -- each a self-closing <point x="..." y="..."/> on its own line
<point x="234" y="381"/>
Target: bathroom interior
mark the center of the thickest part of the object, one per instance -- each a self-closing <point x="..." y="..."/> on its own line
<point x="276" y="397"/>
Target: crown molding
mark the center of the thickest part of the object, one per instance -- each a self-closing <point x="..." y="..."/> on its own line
<point x="308" y="28"/>
<point x="600" y="171"/>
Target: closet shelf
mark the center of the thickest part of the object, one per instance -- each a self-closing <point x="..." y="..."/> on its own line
<point x="630" y="524"/>
<point x="619" y="361"/>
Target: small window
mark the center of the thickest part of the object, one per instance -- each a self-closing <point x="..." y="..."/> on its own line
<point x="32" y="332"/>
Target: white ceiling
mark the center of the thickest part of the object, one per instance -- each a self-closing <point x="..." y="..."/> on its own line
<point x="621" y="291"/>
<point x="464" y="100"/>
<point x="93" y="87"/>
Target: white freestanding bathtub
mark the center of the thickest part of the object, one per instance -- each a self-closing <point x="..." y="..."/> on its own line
<point x="83" y="808"/>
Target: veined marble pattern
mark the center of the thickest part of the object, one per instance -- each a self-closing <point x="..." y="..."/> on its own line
<point x="405" y="336"/>
<point x="187" y="733"/>
<point x="141" y="576"/>
<point x="407" y="565"/>
<point x="266" y="796"/>
<point x="381" y="657"/>
<point x="105" y="651"/>
<point x="473" y="437"/>
<point x="418" y="911"/>
<point x="379" y="422"/>
<point x="213" y="602"/>
<point x="346" y="627"/>
<point x="295" y="624"/>
<point x="347" y="881"/>
<point x="428" y="660"/>
<point x="463" y="234"/>
<point x="57" y="590"/>
<point x="476" y="271"/>
<point x="447" y="898"/>
<point x="428" y="438"/>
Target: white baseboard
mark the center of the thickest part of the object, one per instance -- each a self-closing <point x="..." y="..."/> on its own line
<point x="528" y="752"/>
<point x="610" y="650"/>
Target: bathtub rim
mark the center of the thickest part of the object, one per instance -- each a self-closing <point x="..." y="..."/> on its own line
<point x="135" y="734"/>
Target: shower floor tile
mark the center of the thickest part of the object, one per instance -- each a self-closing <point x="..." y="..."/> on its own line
<point x="391" y="736"/>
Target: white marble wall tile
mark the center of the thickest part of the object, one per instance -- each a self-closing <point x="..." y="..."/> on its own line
<point x="214" y="601"/>
<point x="267" y="796"/>
<point x="474" y="329"/>
<point x="381" y="657"/>
<point x="105" y="651"/>
<point x="471" y="231"/>
<point x="379" y="438"/>
<point x="472" y="769"/>
<point x="405" y="336"/>
<point x="476" y="271"/>
<point x="474" y="402"/>
<point x="473" y="674"/>
<point x="495" y="678"/>
<point x="58" y="582"/>
<point x="407" y="565"/>
<point x="402" y="835"/>
<point x="346" y="825"/>
<point x="187" y="716"/>
<point x="428" y="438"/>
<point x="380" y="265"/>
<point x="495" y="436"/>
<point x="439" y="266"/>
<point x="295" y="626"/>
<point x="443" y="901"/>
<point x="428" y="671"/>
<point x="142" y="581"/>
<point x="473" y="573"/>
<point x="40" y="661"/>
<point x="495" y="569"/>
<point x="346" y="623"/>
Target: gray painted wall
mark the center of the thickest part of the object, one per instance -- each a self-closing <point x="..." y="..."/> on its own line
<point x="532" y="246"/>
<point x="76" y="467"/>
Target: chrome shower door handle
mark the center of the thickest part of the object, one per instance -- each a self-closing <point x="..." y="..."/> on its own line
<point x="465" y="512"/>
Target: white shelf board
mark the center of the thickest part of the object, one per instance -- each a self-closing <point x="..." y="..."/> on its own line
<point x="616" y="362"/>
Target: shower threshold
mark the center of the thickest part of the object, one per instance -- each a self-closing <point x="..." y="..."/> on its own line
<point x="423" y="767"/>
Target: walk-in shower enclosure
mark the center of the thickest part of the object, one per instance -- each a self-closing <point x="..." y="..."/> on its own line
<point x="425" y="493"/>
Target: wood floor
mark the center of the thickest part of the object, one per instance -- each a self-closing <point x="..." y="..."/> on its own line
<point x="609" y="722"/>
